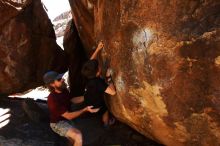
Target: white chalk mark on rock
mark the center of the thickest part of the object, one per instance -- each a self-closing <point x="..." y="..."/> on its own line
<point x="120" y="85"/>
<point x="141" y="41"/>
<point x="142" y="38"/>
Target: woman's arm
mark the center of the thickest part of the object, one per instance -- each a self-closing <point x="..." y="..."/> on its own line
<point x="98" y="49"/>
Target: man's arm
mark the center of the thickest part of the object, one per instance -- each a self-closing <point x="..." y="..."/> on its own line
<point x="77" y="100"/>
<point x="98" y="49"/>
<point x="73" y="115"/>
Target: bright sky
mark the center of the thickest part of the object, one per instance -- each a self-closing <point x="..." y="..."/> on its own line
<point x="56" y="7"/>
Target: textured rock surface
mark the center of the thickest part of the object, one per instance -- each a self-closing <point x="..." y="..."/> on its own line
<point x="27" y="45"/>
<point x="83" y="15"/>
<point x="10" y="9"/>
<point x="165" y="56"/>
<point x="76" y="57"/>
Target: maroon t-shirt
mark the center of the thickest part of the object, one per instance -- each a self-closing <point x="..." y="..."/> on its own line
<point x="58" y="104"/>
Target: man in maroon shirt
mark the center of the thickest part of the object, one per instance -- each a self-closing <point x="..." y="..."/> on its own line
<point x="59" y="103"/>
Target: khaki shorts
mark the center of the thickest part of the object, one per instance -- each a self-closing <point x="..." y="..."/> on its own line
<point x="62" y="127"/>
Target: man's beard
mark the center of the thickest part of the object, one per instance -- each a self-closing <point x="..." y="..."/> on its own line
<point x="63" y="87"/>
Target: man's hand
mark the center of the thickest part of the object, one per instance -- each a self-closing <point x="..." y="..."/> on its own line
<point x="100" y="46"/>
<point x="91" y="110"/>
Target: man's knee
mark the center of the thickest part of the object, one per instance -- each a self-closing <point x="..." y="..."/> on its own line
<point x="75" y="134"/>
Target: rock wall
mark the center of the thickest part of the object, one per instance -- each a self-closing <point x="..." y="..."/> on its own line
<point x="27" y="45"/>
<point x="76" y="57"/>
<point x="83" y="16"/>
<point x="166" y="61"/>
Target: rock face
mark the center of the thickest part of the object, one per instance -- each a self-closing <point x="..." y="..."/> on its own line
<point x="83" y="16"/>
<point x="27" y="45"/>
<point x="166" y="61"/>
<point x="76" y="57"/>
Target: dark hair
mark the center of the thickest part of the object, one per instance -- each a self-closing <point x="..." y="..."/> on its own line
<point x="90" y="69"/>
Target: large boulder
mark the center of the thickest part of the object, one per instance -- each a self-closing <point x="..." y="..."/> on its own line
<point x="166" y="61"/>
<point x="27" y="45"/>
<point x="76" y="57"/>
<point x="79" y="42"/>
<point x="83" y="16"/>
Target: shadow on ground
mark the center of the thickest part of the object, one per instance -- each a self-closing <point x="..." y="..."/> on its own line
<point x="28" y="125"/>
